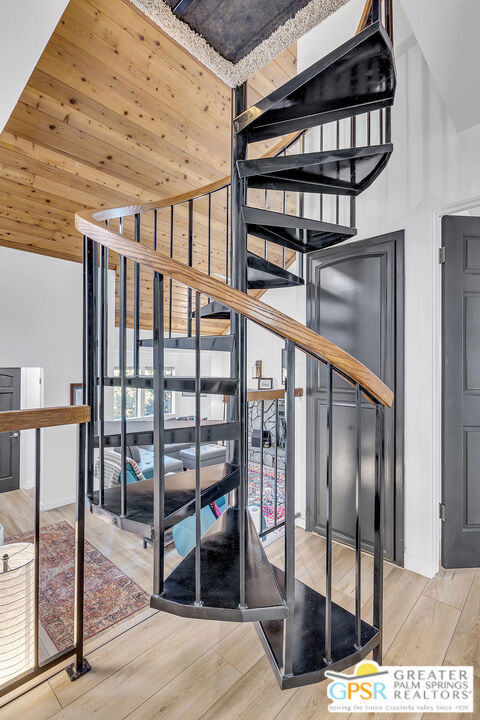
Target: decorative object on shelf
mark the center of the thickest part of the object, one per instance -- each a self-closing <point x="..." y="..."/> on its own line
<point x="17" y="642"/>
<point x="265" y="383"/>
<point x="76" y="394"/>
<point x="257" y="369"/>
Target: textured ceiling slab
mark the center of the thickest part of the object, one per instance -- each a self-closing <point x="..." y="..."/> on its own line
<point x="236" y="38"/>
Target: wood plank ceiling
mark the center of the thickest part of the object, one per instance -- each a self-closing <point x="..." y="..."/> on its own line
<point x="114" y="112"/>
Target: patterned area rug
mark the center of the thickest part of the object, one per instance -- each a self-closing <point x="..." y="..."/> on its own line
<point x="110" y="596"/>
<point x="268" y="491"/>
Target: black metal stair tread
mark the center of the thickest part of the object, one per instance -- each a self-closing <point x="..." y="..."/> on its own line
<point x="220" y="343"/>
<point x="263" y="274"/>
<point x="220" y="577"/>
<point x="347" y="171"/>
<point x="296" y="233"/>
<point x="216" y="480"/>
<point x="309" y="664"/>
<point x="355" y="77"/>
<point x="140" y="431"/>
<point x="208" y="385"/>
<point x="213" y="311"/>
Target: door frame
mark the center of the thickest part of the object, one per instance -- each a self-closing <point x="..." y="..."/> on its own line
<point x="437" y="323"/>
<point x="398" y="469"/>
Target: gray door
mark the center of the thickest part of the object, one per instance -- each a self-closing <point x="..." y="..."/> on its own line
<point x="355" y="299"/>
<point x="9" y="442"/>
<point x="461" y="392"/>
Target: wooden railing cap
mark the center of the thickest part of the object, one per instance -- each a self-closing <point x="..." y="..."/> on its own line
<point x="13" y="420"/>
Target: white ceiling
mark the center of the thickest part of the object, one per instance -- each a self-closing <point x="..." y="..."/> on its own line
<point x="448" y="34"/>
<point x="25" y="29"/>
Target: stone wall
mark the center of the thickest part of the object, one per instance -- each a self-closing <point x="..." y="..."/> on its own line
<point x="277" y="434"/>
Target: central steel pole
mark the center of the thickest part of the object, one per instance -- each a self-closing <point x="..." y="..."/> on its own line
<point x="238" y="362"/>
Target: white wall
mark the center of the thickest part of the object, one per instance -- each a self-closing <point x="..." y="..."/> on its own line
<point x="31" y="396"/>
<point x="429" y="170"/>
<point x="25" y="29"/>
<point x="41" y="326"/>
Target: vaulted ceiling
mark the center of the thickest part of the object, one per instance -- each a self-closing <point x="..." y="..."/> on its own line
<point x="114" y="111"/>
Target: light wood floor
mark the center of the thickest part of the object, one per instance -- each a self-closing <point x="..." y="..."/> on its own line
<point x="168" y="667"/>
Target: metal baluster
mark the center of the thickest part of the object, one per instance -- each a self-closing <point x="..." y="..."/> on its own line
<point x="265" y="252"/>
<point x="358" y="529"/>
<point x="170" y="298"/>
<point x="284" y="210"/>
<point x="301" y="212"/>
<point x="369" y="128"/>
<point x="209" y="268"/>
<point x="158" y="434"/>
<point x="353" y="143"/>
<point x="80" y="665"/>
<point x="378" y="528"/>
<point x="375" y="10"/>
<point x="190" y="263"/>
<point x="103" y="358"/>
<point x="289" y="591"/>
<point x="227" y="241"/>
<point x="91" y="372"/>
<point x="320" y="212"/>
<point x="136" y="304"/>
<point x="198" y="492"/>
<point x="262" y="420"/>
<point x="337" y="197"/>
<point x="275" y="498"/>
<point x="381" y="124"/>
<point x="36" y="544"/>
<point x="328" y="524"/>
<point x="123" y="375"/>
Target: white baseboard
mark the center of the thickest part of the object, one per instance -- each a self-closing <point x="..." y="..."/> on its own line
<point x="300" y="521"/>
<point x="57" y="503"/>
<point x="419" y="565"/>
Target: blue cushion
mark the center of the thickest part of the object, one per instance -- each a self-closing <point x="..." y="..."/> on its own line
<point x="184" y="532"/>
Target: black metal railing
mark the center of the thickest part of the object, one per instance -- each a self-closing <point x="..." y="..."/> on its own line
<point x="16" y="422"/>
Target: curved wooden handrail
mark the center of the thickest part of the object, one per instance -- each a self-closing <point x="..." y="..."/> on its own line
<point x="35" y="418"/>
<point x="268" y="317"/>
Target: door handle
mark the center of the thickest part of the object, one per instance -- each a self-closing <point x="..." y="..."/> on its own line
<point x="15" y="435"/>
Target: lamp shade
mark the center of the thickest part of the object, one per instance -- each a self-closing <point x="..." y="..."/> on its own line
<point x="17" y="595"/>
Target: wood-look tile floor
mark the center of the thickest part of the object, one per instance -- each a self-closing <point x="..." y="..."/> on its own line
<point x="168" y="667"/>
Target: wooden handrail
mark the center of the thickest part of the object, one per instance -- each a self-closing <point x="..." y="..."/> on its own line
<point x="273" y="394"/>
<point x="12" y="420"/>
<point x="268" y="317"/>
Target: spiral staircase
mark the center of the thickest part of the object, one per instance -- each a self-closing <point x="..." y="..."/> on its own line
<point x="227" y="575"/>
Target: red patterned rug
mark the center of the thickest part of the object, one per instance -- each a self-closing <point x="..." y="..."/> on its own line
<point x="110" y="596"/>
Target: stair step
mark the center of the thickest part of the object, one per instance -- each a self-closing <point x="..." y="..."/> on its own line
<point x="299" y="234"/>
<point x="357" y="77"/>
<point x="214" y="311"/>
<point x="220" y="578"/>
<point x="208" y="385"/>
<point x="309" y="664"/>
<point x="140" y="432"/>
<point x="264" y="275"/>
<point x="220" y="343"/>
<point x="335" y="172"/>
<point x="216" y="481"/>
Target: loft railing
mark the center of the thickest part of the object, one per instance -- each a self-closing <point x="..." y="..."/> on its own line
<point x="16" y="421"/>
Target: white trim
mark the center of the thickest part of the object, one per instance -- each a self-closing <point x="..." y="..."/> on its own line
<point x="58" y="503"/>
<point x="437" y="214"/>
<point x="234" y="74"/>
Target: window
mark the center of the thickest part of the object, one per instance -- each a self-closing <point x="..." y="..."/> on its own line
<point x="140" y="402"/>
